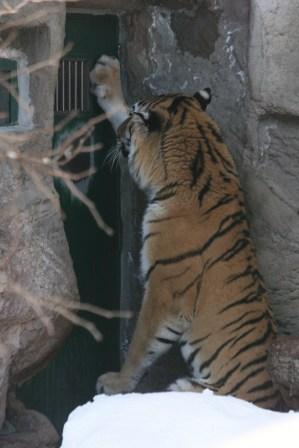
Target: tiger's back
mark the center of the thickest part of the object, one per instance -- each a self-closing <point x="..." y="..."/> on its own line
<point x="202" y="286"/>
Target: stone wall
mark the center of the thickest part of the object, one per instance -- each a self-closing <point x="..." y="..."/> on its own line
<point x="271" y="165"/>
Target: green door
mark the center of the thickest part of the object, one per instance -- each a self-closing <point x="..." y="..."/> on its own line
<point x="70" y="378"/>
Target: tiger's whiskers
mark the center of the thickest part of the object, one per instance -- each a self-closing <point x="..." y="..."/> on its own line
<point x="112" y="158"/>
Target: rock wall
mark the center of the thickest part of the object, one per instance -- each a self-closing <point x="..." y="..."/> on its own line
<point x="271" y="165"/>
<point x="33" y="247"/>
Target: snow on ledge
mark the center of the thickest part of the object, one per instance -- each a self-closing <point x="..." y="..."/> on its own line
<point x="178" y="420"/>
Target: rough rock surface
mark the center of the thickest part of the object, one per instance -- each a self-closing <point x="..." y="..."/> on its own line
<point x="33" y="248"/>
<point x="27" y="428"/>
<point x="274" y="45"/>
<point x="271" y="163"/>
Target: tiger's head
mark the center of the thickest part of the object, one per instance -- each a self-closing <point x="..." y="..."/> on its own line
<point x="160" y="138"/>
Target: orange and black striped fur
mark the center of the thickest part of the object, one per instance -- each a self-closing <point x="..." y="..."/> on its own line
<point x="202" y="287"/>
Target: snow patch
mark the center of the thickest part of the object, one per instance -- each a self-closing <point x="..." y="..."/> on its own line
<point x="177" y="420"/>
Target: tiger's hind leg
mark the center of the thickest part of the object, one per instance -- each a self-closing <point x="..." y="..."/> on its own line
<point x="187" y="384"/>
<point x="158" y="328"/>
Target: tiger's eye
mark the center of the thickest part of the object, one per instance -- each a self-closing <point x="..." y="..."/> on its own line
<point x="124" y="150"/>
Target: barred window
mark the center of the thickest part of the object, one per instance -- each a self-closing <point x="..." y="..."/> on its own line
<point x="72" y="90"/>
<point x="8" y="92"/>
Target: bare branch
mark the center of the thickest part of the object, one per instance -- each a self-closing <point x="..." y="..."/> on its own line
<point x="9" y="10"/>
<point x="52" y="61"/>
<point x="64" y="308"/>
<point x="90" y="205"/>
<point x="43" y="188"/>
<point x="34" y="304"/>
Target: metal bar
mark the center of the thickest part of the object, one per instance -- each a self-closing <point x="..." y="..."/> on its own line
<point x="57" y="94"/>
<point x="76" y="85"/>
<point x="63" y="90"/>
<point x="70" y="85"/>
<point x="82" y="86"/>
<point x="87" y="96"/>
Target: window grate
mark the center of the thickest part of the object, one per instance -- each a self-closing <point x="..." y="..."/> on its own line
<point x="72" y="90"/>
<point x="8" y="103"/>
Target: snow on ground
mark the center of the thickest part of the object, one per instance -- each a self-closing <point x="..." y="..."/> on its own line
<point x="178" y="420"/>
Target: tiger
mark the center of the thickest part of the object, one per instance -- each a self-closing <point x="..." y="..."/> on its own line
<point x="202" y="287"/>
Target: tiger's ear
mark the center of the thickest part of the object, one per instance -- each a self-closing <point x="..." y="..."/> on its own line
<point x="151" y="120"/>
<point x="204" y="97"/>
<point x="143" y="115"/>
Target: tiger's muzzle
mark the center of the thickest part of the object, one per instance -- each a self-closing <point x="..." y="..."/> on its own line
<point x="124" y="137"/>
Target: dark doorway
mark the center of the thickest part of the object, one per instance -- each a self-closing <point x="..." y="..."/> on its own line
<point x="69" y="380"/>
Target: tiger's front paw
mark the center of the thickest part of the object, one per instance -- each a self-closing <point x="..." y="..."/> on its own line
<point x="186" y="385"/>
<point x="111" y="383"/>
<point x="106" y="80"/>
<point x="107" y="87"/>
<point x="180" y="385"/>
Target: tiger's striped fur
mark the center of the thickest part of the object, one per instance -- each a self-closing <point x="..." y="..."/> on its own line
<point x="201" y="282"/>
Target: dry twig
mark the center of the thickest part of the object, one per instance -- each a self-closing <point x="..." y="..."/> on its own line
<point x="64" y="307"/>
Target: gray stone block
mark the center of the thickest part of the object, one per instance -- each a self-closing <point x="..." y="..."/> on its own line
<point x="273" y="55"/>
